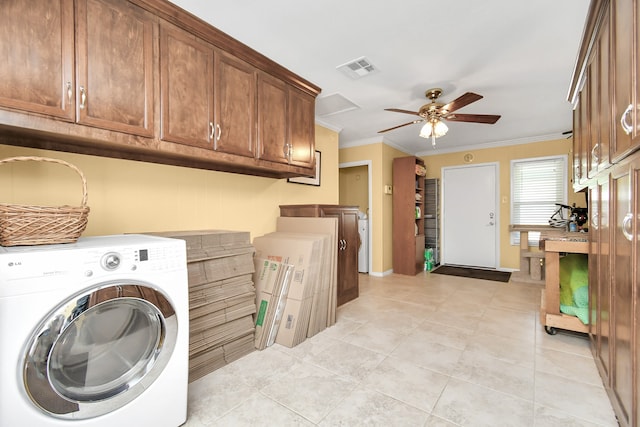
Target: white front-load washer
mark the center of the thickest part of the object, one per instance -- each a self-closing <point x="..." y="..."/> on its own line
<point x="94" y="333"/>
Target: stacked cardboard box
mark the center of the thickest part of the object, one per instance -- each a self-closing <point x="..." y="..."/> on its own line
<point x="308" y="300"/>
<point x="221" y="297"/>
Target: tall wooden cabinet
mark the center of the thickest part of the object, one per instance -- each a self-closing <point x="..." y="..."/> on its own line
<point x="408" y="215"/>
<point x="605" y="93"/>
<point x="348" y="242"/>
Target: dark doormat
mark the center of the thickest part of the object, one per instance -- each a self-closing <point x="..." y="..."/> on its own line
<point x="475" y="273"/>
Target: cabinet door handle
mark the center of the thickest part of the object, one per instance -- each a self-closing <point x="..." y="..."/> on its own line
<point x="627" y="227"/>
<point x="626" y="127"/>
<point x="219" y="132"/>
<point x="344" y="247"/>
<point x="595" y="152"/>
<point x="286" y="150"/>
<point x="595" y="218"/>
<point x="83" y="98"/>
<point x="69" y="92"/>
<point x="212" y="131"/>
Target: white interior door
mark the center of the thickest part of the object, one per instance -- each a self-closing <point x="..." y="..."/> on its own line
<point x="470" y="229"/>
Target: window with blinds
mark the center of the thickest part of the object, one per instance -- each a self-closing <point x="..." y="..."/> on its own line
<point x="537" y="184"/>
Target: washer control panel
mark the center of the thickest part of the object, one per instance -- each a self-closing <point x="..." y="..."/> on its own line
<point x="92" y="261"/>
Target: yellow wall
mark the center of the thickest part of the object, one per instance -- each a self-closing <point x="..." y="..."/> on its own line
<point x="381" y="157"/>
<point x="509" y="255"/>
<point x="128" y="197"/>
<point x="354" y="188"/>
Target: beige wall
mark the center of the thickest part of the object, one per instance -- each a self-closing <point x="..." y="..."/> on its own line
<point x="509" y="255"/>
<point x="128" y="197"/>
<point x="381" y="157"/>
<point x="354" y="187"/>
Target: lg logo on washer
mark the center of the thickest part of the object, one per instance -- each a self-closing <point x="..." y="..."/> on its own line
<point x="11" y="263"/>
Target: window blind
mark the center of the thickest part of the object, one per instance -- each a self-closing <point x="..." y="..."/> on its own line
<point x="536" y="186"/>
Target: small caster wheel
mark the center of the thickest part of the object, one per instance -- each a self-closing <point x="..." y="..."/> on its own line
<point x="550" y="330"/>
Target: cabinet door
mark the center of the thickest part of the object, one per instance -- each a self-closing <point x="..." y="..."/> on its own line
<point x="36" y="56"/>
<point x="578" y="142"/>
<point x="186" y="92"/>
<point x="602" y="150"/>
<point x="593" y="93"/>
<point x="585" y="134"/>
<point x="235" y="105"/>
<point x="600" y="276"/>
<point x="622" y="43"/>
<point x="622" y="293"/>
<point x="114" y="41"/>
<point x="348" y="287"/>
<point x="301" y="128"/>
<point x="273" y="137"/>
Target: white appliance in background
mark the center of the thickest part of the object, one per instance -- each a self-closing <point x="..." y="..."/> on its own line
<point x="363" y="252"/>
<point x="94" y="333"/>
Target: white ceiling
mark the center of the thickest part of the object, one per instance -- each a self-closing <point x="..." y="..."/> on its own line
<point x="518" y="54"/>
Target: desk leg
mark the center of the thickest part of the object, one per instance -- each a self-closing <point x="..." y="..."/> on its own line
<point x="552" y="282"/>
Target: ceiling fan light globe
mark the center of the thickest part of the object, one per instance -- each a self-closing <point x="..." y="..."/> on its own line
<point x="440" y="129"/>
<point x="426" y="130"/>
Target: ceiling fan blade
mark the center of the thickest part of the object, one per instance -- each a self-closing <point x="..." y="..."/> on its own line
<point x="461" y="101"/>
<point x="397" y="110"/>
<point x="399" y="126"/>
<point x="473" y="118"/>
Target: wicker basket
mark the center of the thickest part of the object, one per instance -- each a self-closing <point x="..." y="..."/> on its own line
<point x="42" y="225"/>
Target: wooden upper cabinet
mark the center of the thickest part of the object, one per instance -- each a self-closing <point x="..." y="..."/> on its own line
<point x="114" y="42"/>
<point x="144" y="80"/>
<point x="186" y="91"/>
<point x="622" y="43"/>
<point x="36" y="57"/>
<point x="301" y="128"/>
<point x="285" y="123"/>
<point x="235" y="106"/>
<point x="273" y="138"/>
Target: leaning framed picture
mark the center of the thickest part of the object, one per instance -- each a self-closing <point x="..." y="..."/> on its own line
<point x="315" y="180"/>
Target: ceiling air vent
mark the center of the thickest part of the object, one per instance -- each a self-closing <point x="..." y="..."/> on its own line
<point x="357" y="68"/>
<point x="334" y="104"/>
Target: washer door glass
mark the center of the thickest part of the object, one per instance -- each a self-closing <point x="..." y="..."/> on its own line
<point x="100" y="350"/>
<point x="105" y="350"/>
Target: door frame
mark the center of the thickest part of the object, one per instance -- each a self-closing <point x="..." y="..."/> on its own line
<point x="368" y="164"/>
<point x="496" y="209"/>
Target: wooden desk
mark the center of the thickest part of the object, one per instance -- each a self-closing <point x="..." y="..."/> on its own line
<point x="550" y="315"/>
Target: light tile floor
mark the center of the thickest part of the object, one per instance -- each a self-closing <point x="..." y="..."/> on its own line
<point x="430" y="350"/>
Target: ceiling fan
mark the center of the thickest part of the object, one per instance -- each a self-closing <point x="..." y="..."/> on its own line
<point x="434" y="113"/>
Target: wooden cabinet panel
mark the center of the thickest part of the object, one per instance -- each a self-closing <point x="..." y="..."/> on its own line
<point x="577" y="145"/>
<point x="622" y="56"/>
<point x="286" y="131"/>
<point x="186" y="91"/>
<point x="600" y="277"/>
<point x="235" y="106"/>
<point x="585" y="135"/>
<point x="601" y="149"/>
<point x="36" y="57"/>
<point x="301" y="128"/>
<point x="623" y="325"/>
<point x="273" y="136"/>
<point x="348" y="282"/>
<point x="114" y="42"/>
